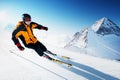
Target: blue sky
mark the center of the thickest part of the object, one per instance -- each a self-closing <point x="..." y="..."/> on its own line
<point x="63" y="16"/>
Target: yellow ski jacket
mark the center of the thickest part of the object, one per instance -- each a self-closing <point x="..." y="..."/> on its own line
<point x="25" y="33"/>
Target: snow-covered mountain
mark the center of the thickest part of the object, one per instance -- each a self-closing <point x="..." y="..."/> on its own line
<point x="79" y="39"/>
<point x="99" y="40"/>
<point x="105" y="26"/>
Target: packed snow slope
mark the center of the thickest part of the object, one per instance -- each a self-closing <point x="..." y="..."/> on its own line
<point x="27" y="65"/>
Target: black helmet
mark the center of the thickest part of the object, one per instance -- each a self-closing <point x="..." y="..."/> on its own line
<point x="26" y="16"/>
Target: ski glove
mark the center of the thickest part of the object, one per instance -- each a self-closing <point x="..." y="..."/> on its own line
<point x="20" y="47"/>
<point x="44" y="28"/>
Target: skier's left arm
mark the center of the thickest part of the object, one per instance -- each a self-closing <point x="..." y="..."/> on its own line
<point x="38" y="26"/>
<point x="42" y="27"/>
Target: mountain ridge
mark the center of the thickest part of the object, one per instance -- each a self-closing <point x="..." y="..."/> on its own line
<point x="105" y="26"/>
<point x="103" y="38"/>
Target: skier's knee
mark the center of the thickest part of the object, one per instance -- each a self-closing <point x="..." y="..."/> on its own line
<point x="41" y="54"/>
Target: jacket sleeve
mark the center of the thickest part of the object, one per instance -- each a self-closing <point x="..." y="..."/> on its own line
<point x="37" y="26"/>
<point x="14" y="38"/>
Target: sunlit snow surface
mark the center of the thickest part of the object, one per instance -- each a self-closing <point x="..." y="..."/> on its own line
<point x="27" y="65"/>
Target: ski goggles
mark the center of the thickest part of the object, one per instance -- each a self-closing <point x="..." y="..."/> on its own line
<point x="27" y="19"/>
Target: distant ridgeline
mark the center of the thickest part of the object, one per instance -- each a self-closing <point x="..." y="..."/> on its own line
<point x="105" y="26"/>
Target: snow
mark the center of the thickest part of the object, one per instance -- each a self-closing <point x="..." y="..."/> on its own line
<point x="103" y="46"/>
<point x="105" y="26"/>
<point x="97" y="24"/>
<point x="79" y="39"/>
<point x="103" y="43"/>
<point x="27" y="65"/>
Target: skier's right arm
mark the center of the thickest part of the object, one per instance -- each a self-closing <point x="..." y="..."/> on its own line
<point x="15" y="36"/>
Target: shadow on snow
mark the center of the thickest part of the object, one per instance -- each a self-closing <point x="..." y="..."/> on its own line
<point x="87" y="71"/>
<point x="79" y="69"/>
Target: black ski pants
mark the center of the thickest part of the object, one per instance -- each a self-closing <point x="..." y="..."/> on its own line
<point x="38" y="47"/>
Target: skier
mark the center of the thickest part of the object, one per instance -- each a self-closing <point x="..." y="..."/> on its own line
<point x="24" y="31"/>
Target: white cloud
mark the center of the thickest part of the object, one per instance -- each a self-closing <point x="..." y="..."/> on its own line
<point x="2" y="14"/>
<point x="3" y="17"/>
<point x="6" y="17"/>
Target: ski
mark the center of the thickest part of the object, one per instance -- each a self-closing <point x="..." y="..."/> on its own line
<point x="61" y="62"/>
<point x="52" y="59"/>
<point x="60" y="56"/>
<point x="65" y="57"/>
<point x="56" y="60"/>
